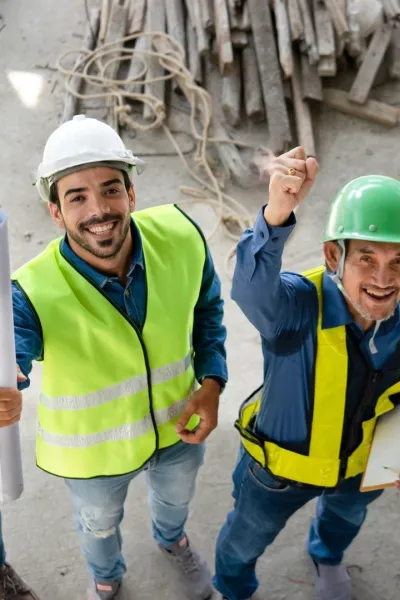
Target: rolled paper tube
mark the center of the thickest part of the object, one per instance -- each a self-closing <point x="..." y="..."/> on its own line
<point x="11" y="479"/>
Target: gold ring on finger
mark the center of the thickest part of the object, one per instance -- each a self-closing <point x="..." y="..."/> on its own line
<point x="292" y="171"/>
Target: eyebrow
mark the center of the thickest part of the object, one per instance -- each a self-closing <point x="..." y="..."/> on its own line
<point x="84" y="189"/>
<point x="367" y="250"/>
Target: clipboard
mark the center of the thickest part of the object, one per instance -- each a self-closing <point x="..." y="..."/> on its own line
<point x="384" y="452"/>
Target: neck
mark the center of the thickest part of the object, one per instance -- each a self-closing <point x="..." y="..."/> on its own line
<point x="116" y="265"/>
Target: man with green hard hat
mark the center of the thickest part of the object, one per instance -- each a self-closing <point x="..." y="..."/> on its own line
<point x="330" y="340"/>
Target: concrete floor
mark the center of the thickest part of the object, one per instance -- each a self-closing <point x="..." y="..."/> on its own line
<point x="38" y="529"/>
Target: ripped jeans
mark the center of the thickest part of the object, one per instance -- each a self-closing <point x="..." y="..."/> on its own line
<point x="99" y="507"/>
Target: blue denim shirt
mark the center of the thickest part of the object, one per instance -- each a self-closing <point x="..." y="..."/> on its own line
<point x="283" y="306"/>
<point x="209" y="334"/>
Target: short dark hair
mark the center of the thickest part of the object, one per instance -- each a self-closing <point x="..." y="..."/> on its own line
<point x="55" y="198"/>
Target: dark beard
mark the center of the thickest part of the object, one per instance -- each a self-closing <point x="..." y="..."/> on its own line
<point x="101" y="251"/>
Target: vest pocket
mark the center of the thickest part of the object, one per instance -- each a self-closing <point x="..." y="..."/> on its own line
<point x="264" y="479"/>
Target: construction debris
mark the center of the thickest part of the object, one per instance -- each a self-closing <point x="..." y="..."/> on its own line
<point x="272" y="54"/>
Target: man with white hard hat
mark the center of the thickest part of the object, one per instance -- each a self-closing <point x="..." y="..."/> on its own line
<point x="126" y="315"/>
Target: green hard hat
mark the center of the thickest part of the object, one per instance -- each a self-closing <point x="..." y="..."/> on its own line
<point x="367" y="208"/>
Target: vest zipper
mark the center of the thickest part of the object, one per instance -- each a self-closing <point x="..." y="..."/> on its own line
<point x="357" y="422"/>
<point x="139" y="335"/>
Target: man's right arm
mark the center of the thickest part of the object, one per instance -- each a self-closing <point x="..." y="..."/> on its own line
<point x="28" y="336"/>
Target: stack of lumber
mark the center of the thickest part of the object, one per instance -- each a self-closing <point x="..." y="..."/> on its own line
<point x="272" y="55"/>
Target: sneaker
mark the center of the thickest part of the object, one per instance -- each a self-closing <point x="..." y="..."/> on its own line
<point x="332" y="583"/>
<point x="193" y="572"/>
<point x="105" y="590"/>
<point x="12" y="587"/>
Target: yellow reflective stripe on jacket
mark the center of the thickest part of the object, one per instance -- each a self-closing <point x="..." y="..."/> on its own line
<point x="131" y="386"/>
<point x="322" y="466"/>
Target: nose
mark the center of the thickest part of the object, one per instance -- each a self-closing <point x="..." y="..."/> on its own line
<point x="98" y="204"/>
<point x="384" y="276"/>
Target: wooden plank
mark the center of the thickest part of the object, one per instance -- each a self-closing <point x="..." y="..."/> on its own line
<point x="338" y="15"/>
<point x="311" y="85"/>
<point x="378" y="112"/>
<point x="228" y="153"/>
<point x="296" y="20"/>
<point x="394" y="55"/>
<point x="305" y="135"/>
<point x="174" y="10"/>
<point x="224" y="42"/>
<point x="194" y="61"/>
<point x="76" y="83"/>
<point x="232" y="93"/>
<point x="284" y="37"/>
<point x="366" y="74"/>
<point x="327" y="66"/>
<point x="309" y="33"/>
<point x="270" y="75"/>
<point x="234" y="14"/>
<point x="324" y="29"/>
<point x="240" y="39"/>
<point x="207" y="15"/>
<point x="194" y="10"/>
<point x="245" y="24"/>
<point x="254" y="105"/>
<point x="117" y="25"/>
<point x="136" y="16"/>
<point x="156" y="22"/>
<point x="105" y="10"/>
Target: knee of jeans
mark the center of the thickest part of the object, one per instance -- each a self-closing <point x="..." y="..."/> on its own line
<point x="354" y="515"/>
<point x="97" y="522"/>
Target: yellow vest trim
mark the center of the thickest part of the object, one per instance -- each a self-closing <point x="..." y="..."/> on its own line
<point x="322" y="466"/>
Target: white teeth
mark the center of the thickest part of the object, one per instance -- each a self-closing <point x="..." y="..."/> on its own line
<point x="381" y="294"/>
<point x="101" y="228"/>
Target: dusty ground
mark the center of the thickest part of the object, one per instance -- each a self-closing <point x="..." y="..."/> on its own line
<point x="38" y="529"/>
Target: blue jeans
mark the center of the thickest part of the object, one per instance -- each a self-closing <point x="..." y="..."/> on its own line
<point x="262" y="507"/>
<point x="99" y="507"/>
<point x="2" y="549"/>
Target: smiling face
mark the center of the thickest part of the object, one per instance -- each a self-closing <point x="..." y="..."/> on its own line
<point x="371" y="276"/>
<point x="94" y="209"/>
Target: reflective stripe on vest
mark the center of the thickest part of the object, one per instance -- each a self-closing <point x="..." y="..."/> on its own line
<point x="111" y="394"/>
<point x="322" y="466"/>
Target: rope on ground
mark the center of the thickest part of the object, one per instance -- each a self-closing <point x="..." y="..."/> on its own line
<point x="92" y="68"/>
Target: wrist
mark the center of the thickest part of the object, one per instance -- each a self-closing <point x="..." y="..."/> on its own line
<point x="273" y="218"/>
<point x="212" y="384"/>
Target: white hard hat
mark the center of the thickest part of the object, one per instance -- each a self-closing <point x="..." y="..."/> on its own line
<point x="77" y="143"/>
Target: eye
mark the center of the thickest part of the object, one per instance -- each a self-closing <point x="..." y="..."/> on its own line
<point x="77" y="199"/>
<point x="366" y="259"/>
<point x="112" y="191"/>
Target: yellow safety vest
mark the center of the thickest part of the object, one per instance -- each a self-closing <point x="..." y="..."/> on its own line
<point x="323" y="465"/>
<point x="111" y="394"/>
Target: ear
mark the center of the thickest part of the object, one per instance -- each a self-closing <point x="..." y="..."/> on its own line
<point x="333" y="253"/>
<point x="56" y="214"/>
<point x="132" y="198"/>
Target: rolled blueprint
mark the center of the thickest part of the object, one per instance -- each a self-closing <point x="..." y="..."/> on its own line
<point x="11" y="481"/>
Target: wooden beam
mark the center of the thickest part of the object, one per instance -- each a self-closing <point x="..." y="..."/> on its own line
<point x="253" y="100"/>
<point x="156" y="22"/>
<point x="270" y="74"/>
<point x="232" y="93"/>
<point x="194" y="61"/>
<point x="373" y="58"/>
<point x="245" y="24"/>
<point x="377" y="112"/>
<point x="311" y="85"/>
<point x="324" y="29"/>
<point x="234" y="14"/>
<point x="240" y="39"/>
<point x="105" y="10"/>
<point x="338" y="17"/>
<point x="207" y="15"/>
<point x="354" y="41"/>
<point x="296" y="20"/>
<point x="309" y="33"/>
<point x="394" y="55"/>
<point x="302" y="111"/>
<point x="174" y="10"/>
<point x="76" y="83"/>
<point x="224" y="42"/>
<point x="194" y="10"/>
<point x="136" y="16"/>
<point x="117" y="25"/>
<point x="327" y="66"/>
<point x="284" y="37"/>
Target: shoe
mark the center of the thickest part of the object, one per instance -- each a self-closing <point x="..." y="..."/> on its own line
<point x="332" y="583"/>
<point x="105" y="590"/>
<point x="194" y="573"/>
<point x="12" y="587"/>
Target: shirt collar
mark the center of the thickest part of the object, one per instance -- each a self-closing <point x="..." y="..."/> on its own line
<point x="99" y="278"/>
<point x="334" y="308"/>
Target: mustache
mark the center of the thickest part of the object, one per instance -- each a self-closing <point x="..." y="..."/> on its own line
<point x="100" y="221"/>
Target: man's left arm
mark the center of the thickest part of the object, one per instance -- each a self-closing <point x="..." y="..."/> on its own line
<point x="209" y="336"/>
